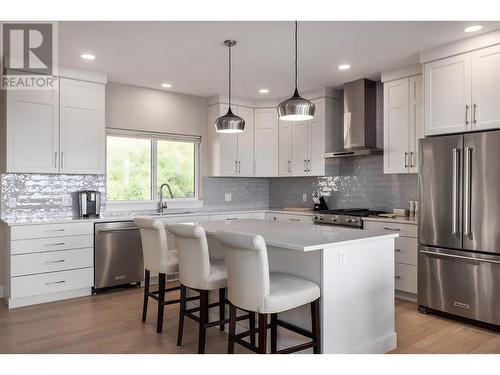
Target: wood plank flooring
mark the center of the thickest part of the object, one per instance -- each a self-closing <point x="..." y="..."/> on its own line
<point x="110" y="323"/>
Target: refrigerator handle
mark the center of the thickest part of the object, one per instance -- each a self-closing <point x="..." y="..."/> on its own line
<point x="467" y="191"/>
<point x="454" y="191"/>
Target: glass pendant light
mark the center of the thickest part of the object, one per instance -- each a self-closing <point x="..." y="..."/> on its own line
<point x="229" y="123"/>
<point x="296" y="108"/>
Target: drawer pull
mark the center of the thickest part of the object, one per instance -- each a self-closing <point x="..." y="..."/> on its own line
<point x="398" y="250"/>
<point x="232" y="218"/>
<point x="293" y="219"/>
<point x="397" y="277"/>
<point x="56" y="244"/>
<point x="55" y="282"/>
<point x="55" y="230"/>
<point x="55" y="261"/>
<point x="394" y="229"/>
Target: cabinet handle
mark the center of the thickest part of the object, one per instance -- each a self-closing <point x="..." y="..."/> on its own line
<point x="55" y="159"/>
<point x="55" y="244"/>
<point x="236" y="167"/>
<point x="397" y="277"/>
<point x="308" y="165"/>
<point x="231" y="218"/>
<point x="55" y="230"/>
<point x="466" y="114"/>
<point x="239" y="166"/>
<point x="394" y="229"/>
<point x="55" y="261"/>
<point x="406" y="160"/>
<point x="412" y="161"/>
<point x="305" y="165"/>
<point x="398" y="250"/>
<point x="62" y="159"/>
<point x="293" y="219"/>
<point x="289" y="168"/>
<point x="55" y="282"/>
<point x="474" y="114"/>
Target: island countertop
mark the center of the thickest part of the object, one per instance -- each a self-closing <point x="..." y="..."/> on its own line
<point x="299" y="236"/>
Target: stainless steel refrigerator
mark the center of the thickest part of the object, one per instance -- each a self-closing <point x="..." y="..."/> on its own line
<point x="459" y="225"/>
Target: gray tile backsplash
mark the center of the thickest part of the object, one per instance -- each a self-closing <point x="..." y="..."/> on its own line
<point x="39" y="196"/>
<point x="245" y="192"/>
<point x="358" y="182"/>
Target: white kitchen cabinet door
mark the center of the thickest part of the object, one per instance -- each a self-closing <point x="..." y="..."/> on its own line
<point x="416" y="122"/>
<point x="228" y="149"/>
<point x="396" y="154"/>
<point x="486" y="88"/>
<point x="299" y="148"/>
<point x="82" y="142"/>
<point x="285" y="148"/>
<point x="316" y="140"/>
<point x="448" y="95"/>
<point x="32" y="131"/>
<point x="245" y="143"/>
<point x="266" y="141"/>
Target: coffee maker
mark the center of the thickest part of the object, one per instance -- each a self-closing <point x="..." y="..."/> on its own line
<point x="89" y="203"/>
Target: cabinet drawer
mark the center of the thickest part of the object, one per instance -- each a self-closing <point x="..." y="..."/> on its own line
<point x="405" y="278"/>
<point x="405" y="230"/>
<point x="38" y="245"/>
<point x="26" y="286"/>
<point x="229" y="217"/>
<point x="22" y="232"/>
<point x="406" y="250"/>
<point x="27" y="264"/>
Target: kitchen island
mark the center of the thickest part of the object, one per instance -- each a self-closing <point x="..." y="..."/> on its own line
<point x="354" y="269"/>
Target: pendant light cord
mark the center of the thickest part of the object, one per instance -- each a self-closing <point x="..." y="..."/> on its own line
<point x="296" y="23"/>
<point x="229" y="76"/>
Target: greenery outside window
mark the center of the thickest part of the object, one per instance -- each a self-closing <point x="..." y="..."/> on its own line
<point x="138" y="163"/>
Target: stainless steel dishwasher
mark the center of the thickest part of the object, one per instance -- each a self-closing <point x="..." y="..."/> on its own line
<point x="117" y="255"/>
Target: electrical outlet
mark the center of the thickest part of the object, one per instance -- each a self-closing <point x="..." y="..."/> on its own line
<point x="341" y="259"/>
<point x="304" y="197"/>
<point x="12" y="203"/>
<point x="227" y="197"/>
<point x="67" y="201"/>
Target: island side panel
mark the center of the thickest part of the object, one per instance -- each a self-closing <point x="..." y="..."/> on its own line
<point x="358" y="298"/>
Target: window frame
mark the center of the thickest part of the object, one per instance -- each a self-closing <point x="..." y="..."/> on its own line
<point x="154" y="137"/>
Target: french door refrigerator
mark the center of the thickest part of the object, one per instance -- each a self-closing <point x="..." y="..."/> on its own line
<point x="459" y="225"/>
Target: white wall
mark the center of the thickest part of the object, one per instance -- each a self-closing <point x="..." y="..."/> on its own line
<point x="138" y="108"/>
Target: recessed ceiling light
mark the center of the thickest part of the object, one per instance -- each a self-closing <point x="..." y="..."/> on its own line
<point x="263" y="91"/>
<point x="344" y="67"/>
<point x="87" y="56"/>
<point x="471" y="29"/>
<point x="166" y="85"/>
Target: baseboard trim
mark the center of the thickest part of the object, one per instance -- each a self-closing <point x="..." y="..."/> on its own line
<point x="34" y="300"/>
<point x="379" y="346"/>
<point x="406" y="296"/>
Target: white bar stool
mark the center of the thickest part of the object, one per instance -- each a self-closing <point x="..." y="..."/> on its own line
<point x="157" y="258"/>
<point x="202" y="274"/>
<point x="252" y="288"/>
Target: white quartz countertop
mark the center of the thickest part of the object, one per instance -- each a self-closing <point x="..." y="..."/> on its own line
<point x="298" y="236"/>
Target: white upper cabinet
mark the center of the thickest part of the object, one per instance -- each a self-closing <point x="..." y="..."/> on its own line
<point x="396" y="126"/>
<point x="403" y="124"/>
<point x="285" y="148"/>
<point x="416" y="123"/>
<point x="59" y="130"/>
<point x="32" y="129"/>
<point x="299" y="148"/>
<point x="231" y="154"/>
<point x="486" y="88"/>
<point x="266" y="141"/>
<point x="448" y="95"/>
<point x="316" y="140"/>
<point x="82" y="128"/>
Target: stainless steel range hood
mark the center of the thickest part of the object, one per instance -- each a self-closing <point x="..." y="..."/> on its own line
<point x="360" y="133"/>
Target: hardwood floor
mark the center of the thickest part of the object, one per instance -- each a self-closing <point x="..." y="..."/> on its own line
<point x="111" y="323"/>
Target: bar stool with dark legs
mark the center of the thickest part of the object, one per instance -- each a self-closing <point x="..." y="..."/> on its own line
<point x="251" y="287"/>
<point x="201" y="274"/>
<point x="159" y="259"/>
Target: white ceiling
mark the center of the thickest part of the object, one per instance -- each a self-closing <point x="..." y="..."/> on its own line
<point x="192" y="57"/>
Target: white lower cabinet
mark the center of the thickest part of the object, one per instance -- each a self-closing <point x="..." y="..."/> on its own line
<point x="288" y="217"/>
<point x="229" y="217"/>
<point x="48" y="262"/>
<point x="405" y="253"/>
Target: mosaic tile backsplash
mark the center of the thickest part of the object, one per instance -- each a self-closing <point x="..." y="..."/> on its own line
<point x="41" y="196"/>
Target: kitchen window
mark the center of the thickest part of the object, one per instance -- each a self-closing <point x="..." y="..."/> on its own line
<point x="138" y="163"/>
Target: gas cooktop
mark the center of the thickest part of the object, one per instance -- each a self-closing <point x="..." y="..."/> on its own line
<point x="349" y="217"/>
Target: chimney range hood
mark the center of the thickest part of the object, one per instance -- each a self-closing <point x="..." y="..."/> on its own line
<point x="360" y="133"/>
